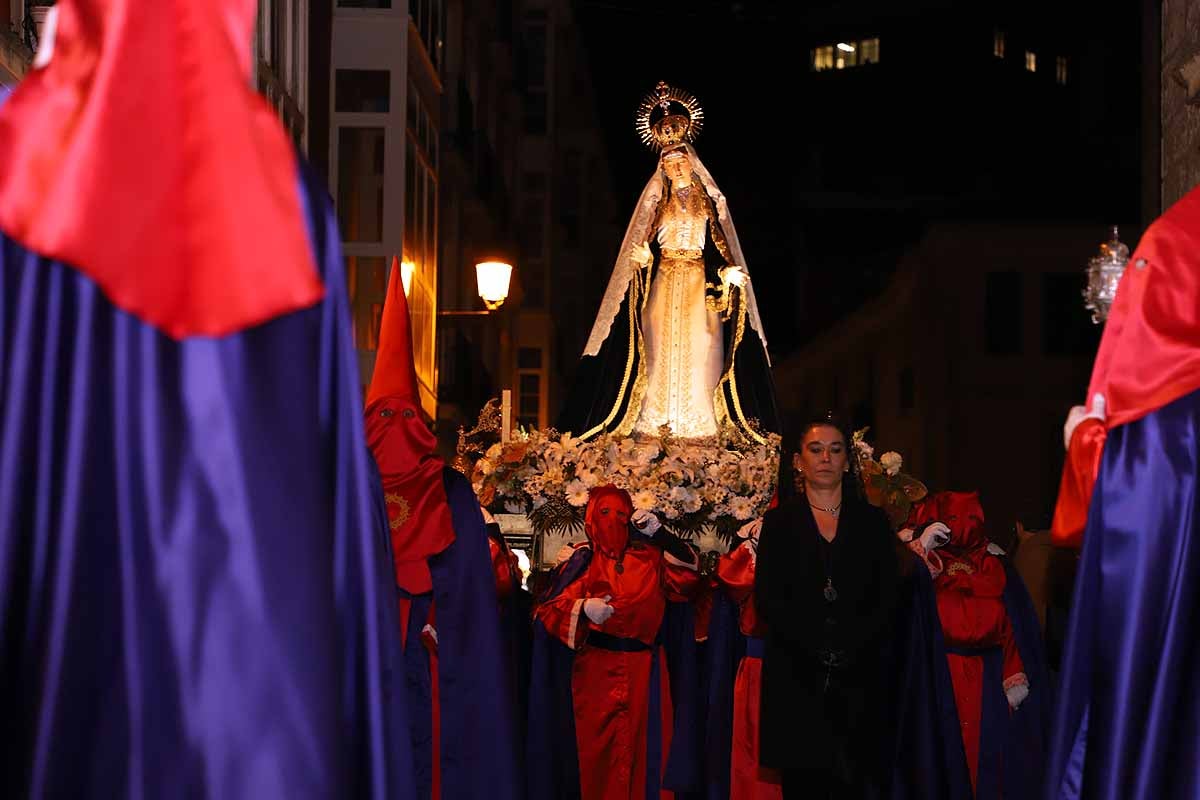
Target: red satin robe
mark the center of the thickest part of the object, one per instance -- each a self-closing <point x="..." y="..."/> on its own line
<point x="1079" y="476"/>
<point x="611" y="690"/>
<point x="747" y="780"/>
<point x="971" y="608"/>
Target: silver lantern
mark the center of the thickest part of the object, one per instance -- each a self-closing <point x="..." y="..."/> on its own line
<point x="1104" y="273"/>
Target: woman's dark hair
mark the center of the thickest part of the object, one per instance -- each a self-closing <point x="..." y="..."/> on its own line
<point x="791" y="445"/>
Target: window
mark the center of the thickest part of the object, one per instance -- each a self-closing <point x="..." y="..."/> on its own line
<point x="1030" y="61"/>
<point x="1060" y="70"/>
<point x="844" y="55"/>
<point x="421" y="128"/>
<point x="427" y="15"/>
<point x="1003" y="314"/>
<point x="420" y="249"/>
<point x="367" y="280"/>
<point x="360" y="183"/>
<point x="1067" y="329"/>
<point x="534" y="72"/>
<point x="868" y="51"/>
<point x="362" y="90"/>
<point x="569" y="201"/>
<point x="529" y="358"/>
<point x="364" y="3"/>
<point x="531" y="236"/>
<point x="998" y="44"/>
<point x="847" y="55"/>
<point x="822" y="58"/>
<point x="529" y="399"/>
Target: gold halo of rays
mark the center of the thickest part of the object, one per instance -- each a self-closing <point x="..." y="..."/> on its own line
<point x="662" y="97"/>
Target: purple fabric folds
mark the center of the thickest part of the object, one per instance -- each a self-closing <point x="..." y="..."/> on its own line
<point x="195" y="588"/>
<point x="1127" y="723"/>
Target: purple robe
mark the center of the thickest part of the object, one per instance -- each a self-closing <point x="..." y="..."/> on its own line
<point x="1127" y="724"/>
<point x="195" y="587"/>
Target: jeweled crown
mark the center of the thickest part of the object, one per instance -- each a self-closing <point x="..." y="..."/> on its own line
<point x="668" y="117"/>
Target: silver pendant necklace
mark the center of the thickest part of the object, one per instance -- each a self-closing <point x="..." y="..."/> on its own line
<point x="833" y="512"/>
<point x="829" y="592"/>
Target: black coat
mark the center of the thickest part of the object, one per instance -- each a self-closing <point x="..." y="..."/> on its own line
<point x="807" y="723"/>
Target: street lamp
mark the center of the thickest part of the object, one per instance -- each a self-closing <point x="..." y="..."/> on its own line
<point x="1104" y="273"/>
<point x="492" y="279"/>
<point x="406" y="272"/>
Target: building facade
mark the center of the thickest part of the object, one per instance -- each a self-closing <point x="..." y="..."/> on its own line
<point x="383" y="165"/>
<point x="524" y="178"/>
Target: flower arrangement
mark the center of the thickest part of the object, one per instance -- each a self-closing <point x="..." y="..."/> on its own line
<point x="883" y="483"/>
<point x="688" y="483"/>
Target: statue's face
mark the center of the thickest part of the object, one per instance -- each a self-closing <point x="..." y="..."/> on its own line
<point x="678" y="169"/>
<point x="822" y="457"/>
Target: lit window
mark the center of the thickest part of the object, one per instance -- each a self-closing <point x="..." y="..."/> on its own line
<point x="868" y="51"/>
<point x="1060" y="70"/>
<point x="847" y="55"/>
<point x="822" y="58"/>
<point x="998" y="44"/>
<point x="1031" y="61"/>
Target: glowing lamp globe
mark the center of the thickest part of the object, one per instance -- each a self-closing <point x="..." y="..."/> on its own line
<point x="493" y="278"/>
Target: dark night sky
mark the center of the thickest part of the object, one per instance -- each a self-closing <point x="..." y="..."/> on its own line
<point x="748" y="63"/>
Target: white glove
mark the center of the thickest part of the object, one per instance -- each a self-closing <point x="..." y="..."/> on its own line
<point x="645" y="523"/>
<point x="488" y="519"/>
<point x="1079" y="413"/>
<point x="934" y="536"/>
<point x="641" y="254"/>
<point x="735" y="275"/>
<point x="598" y="610"/>
<point x="1016" y="695"/>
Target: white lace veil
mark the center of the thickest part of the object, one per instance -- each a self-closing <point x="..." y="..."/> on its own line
<point x="639" y="232"/>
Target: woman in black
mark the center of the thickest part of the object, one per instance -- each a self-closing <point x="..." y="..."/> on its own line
<point x="826" y="584"/>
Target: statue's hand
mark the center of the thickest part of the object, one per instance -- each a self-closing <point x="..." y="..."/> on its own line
<point x="641" y="254"/>
<point x="735" y="275"/>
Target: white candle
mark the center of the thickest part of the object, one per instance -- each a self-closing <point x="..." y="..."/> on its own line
<point x="505" y="415"/>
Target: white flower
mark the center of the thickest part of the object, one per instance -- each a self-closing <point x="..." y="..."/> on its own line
<point x="485" y="466"/>
<point x="589" y="477"/>
<point x="864" y="450"/>
<point x="891" y="462"/>
<point x="679" y="494"/>
<point x="644" y="500"/>
<point x="577" y="493"/>
<point x="741" y="507"/>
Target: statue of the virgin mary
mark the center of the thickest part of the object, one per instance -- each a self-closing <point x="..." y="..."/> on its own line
<point x="678" y="340"/>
